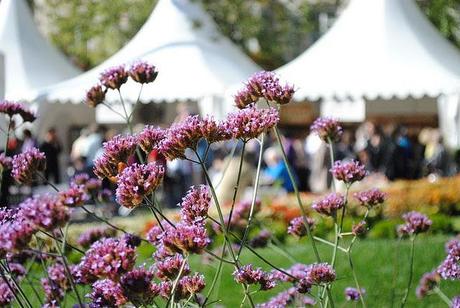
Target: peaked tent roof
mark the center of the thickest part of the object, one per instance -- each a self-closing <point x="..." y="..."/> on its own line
<point x="377" y="49"/>
<point x="31" y="62"/>
<point x="194" y="60"/>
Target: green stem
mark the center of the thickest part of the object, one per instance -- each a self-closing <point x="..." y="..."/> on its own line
<point x="395" y="272"/>
<point x="5" y="279"/>
<point x="411" y="271"/>
<point x="355" y="278"/>
<point x="5" y="269"/>
<point x="443" y="296"/>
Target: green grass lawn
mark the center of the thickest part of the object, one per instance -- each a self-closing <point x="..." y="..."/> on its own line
<point x="374" y="261"/>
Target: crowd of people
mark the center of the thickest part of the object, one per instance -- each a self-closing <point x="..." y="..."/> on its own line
<point x="390" y="151"/>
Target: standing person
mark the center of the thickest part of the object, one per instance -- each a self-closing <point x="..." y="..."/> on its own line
<point x="52" y="148"/>
<point x="28" y="141"/>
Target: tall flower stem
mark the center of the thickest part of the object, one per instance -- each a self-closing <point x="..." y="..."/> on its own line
<point x="297" y="194"/>
<point x="331" y="157"/>
<point x="254" y="197"/>
<point x="5" y="269"/>
<point x="411" y="271"/>
<point x="443" y="296"/>
<point x="5" y="279"/>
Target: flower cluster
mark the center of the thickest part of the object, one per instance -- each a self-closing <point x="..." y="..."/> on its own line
<point x="185" y="239"/>
<point x="348" y="171"/>
<point x="107" y="293"/>
<point x="264" y="85"/>
<point x="138" y="181"/>
<point x="149" y="138"/>
<point x="26" y="164"/>
<point x="450" y="267"/>
<point x="6" y="295"/>
<point x="195" y="204"/>
<point x="169" y="267"/>
<point x="107" y="258"/>
<point x="13" y="108"/>
<point x="289" y="297"/>
<point x="74" y="196"/>
<point x="297" y="226"/>
<point x="16" y="231"/>
<point x="414" y="223"/>
<point x="114" y="77"/>
<point x="95" y="96"/>
<point x="330" y="204"/>
<point x="186" y="287"/>
<point x="250" y="122"/>
<point x="327" y="129"/>
<point x="56" y="283"/>
<point x="143" y="72"/>
<point x="353" y="294"/>
<point x="116" y="154"/>
<point x="138" y="287"/>
<point x="45" y="211"/>
<point x="370" y="198"/>
<point x="427" y="284"/>
<point x="249" y="275"/>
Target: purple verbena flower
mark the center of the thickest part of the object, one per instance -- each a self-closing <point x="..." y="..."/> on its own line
<point x="56" y="283"/>
<point x="450" y="267"/>
<point x="186" y="239"/>
<point x="359" y="228"/>
<point x="107" y="293"/>
<point x="107" y="258"/>
<point x="330" y="204"/>
<point x="455" y="302"/>
<point x="427" y="283"/>
<point x="16" y="231"/>
<point x="114" y="77"/>
<point x="142" y="72"/>
<point x="250" y="122"/>
<point x="287" y="298"/>
<point x="327" y="129"/>
<point x="169" y="267"/>
<point x="26" y="164"/>
<point x="74" y="196"/>
<point x="195" y="204"/>
<point x="415" y="223"/>
<point x="138" y="287"/>
<point x="353" y="294"/>
<point x="193" y="284"/>
<point x="261" y="239"/>
<point x="95" y="96"/>
<point x="247" y="274"/>
<point x="297" y="226"/>
<point x="370" y="198"/>
<point x="321" y="273"/>
<point x="45" y="211"/>
<point x="348" y="171"/>
<point x="150" y="137"/>
<point x="6" y="295"/>
<point x="214" y="131"/>
<point x="138" y="181"/>
<point x="14" y="108"/>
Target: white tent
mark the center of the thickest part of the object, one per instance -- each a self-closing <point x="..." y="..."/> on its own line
<point x="194" y="60"/>
<point x="31" y="62"/>
<point x="384" y="51"/>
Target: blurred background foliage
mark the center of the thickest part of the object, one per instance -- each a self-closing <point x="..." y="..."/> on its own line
<point x="272" y="32"/>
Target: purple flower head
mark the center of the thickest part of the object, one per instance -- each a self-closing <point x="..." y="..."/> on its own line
<point x="17" y="270"/>
<point x="26" y="164"/>
<point x="321" y="273"/>
<point x="414" y="223"/>
<point x="16" y="231"/>
<point x="214" y="131"/>
<point x="156" y="232"/>
<point x="95" y="96"/>
<point x="181" y="136"/>
<point x="107" y="293"/>
<point x="297" y="226"/>
<point x="353" y="294"/>
<point x="193" y="284"/>
<point x="80" y="179"/>
<point x="427" y="284"/>
<point x="6" y="163"/>
<point x="114" y="77"/>
<point x="107" y="258"/>
<point x="186" y="239"/>
<point x="370" y="198"/>
<point x="349" y="171"/>
<point x="13" y="108"/>
<point x="327" y="129"/>
<point x="330" y="204"/>
<point x="247" y="274"/>
<point x="250" y="122"/>
<point x="138" y="181"/>
<point x="74" y="196"/>
<point x="150" y="137"/>
<point x="45" y="211"/>
<point x="56" y="283"/>
<point x="169" y="267"/>
<point x="450" y="267"/>
<point x="6" y="295"/>
<point x="290" y="297"/>
<point x="143" y="72"/>
<point x="195" y="204"/>
<point x="261" y="239"/>
<point x="359" y="228"/>
<point x="138" y="286"/>
<point x="132" y="240"/>
<point x="264" y="85"/>
<point x="304" y="285"/>
<point x="455" y="302"/>
<point x="92" y="235"/>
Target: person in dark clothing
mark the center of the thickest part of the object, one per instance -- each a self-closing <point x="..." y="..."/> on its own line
<point x="52" y="148"/>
